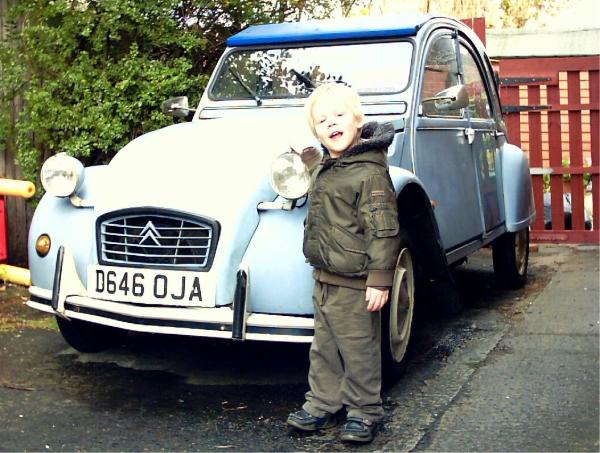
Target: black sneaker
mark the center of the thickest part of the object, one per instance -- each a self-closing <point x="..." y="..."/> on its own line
<point x="304" y="421"/>
<point x="357" y="430"/>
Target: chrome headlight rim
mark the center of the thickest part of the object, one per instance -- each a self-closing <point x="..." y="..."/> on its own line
<point x="290" y="177"/>
<point x="62" y="175"/>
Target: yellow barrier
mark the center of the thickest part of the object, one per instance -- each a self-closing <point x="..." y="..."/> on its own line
<point x="14" y="274"/>
<point x="16" y="188"/>
<point x="24" y="189"/>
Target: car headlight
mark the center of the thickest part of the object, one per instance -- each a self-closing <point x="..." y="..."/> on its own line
<point x="290" y="178"/>
<point x="62" y="175"/>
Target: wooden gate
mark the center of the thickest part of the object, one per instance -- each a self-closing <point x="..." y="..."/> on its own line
<point x="551" y="111"/>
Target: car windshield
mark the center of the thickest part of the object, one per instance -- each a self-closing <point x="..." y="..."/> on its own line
<point x="287" y="73"/>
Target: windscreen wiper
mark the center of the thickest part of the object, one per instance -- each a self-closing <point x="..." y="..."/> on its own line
<point x="246" y="87"/>
<point x="305" y="80"/>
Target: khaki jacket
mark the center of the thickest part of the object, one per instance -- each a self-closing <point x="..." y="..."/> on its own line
<point x="351" y="234"/>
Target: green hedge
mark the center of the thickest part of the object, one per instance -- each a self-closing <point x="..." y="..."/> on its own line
<point x="92" y="73"/>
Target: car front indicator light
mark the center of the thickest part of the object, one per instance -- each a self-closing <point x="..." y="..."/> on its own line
<point x="42" y="245"/>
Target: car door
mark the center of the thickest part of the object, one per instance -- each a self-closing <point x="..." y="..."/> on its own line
<point x="482" y="133"/>
<point x="443" y="156"/>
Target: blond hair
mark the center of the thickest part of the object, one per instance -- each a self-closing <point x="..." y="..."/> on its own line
<point x="337" y="91"/>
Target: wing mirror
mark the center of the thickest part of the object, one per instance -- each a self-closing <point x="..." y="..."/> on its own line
<point x="177" y="107"/>
<point x="453" y="98"/>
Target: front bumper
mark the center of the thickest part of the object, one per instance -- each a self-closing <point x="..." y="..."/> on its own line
<point x="68" y="299"/>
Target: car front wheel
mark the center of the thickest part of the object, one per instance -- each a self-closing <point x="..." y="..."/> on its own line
<point x="511" y="257"/>
<point x="397" y="318"/>
<point x="88" y="337"/>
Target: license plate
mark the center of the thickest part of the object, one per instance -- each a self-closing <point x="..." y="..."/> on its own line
<point x="149" y="286"/>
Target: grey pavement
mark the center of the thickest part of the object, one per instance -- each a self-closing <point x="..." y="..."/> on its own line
<point x="531" y="385"/>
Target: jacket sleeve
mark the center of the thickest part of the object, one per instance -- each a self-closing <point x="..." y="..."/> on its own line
<point x="378" y="216"/>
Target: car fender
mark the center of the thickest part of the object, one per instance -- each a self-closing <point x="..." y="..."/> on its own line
<point x="415" y="213"/>
<point x="280" y="279"/>
<point x="286" y="288"/>
<point x="65" y="224"/>
<point x="516" y="188"/>
<point x="401" y="177"/>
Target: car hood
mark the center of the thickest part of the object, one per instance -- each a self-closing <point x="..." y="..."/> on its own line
<point x="217" y="168"/>
<point x="207" y="167"/>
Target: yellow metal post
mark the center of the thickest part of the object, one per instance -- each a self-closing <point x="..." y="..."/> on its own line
<point x="15" y="274"/>
<point x="16" y="188"/>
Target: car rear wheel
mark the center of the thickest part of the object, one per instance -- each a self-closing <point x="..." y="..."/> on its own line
<point x="511" y="257"/>
<point x="88" y="337"/>
<point x="397" y="318"/>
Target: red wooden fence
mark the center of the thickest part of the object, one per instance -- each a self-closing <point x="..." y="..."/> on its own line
<point x="552" y="113"/>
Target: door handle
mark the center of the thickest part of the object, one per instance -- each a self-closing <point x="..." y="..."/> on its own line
<point x="470" y="133"/>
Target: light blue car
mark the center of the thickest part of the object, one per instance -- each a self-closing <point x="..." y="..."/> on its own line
<point x="196" y="229"/>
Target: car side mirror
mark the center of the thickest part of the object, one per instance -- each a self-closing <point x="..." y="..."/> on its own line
<point x="177" y="107"/>
<point x="453" y="98"/>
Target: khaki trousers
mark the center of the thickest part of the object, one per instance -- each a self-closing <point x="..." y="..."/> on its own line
<point x="345" y="356"/>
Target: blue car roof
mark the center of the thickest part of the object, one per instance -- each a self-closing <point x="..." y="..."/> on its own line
<point x="330" y="29"/>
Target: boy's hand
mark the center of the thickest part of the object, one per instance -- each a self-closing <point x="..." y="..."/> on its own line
<point x="376" y="298"/>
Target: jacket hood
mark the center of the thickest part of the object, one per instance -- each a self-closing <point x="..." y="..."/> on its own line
<point x="375" y="138"/>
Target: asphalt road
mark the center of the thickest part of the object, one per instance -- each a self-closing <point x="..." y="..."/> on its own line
<point x="516" y="371"/>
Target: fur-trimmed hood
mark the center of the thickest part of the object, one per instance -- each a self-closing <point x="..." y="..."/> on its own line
<point x="375" y="138"/>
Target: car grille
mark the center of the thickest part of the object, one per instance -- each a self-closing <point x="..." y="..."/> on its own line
<point x="160" y="238"/>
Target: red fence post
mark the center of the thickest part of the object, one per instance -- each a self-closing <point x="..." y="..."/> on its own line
<point x="575" y="150"/>
<point x="477" y="24"/>
<point x="535" y="153"/>
<point x="510" y="96"/>
<point x="555" y="158"/>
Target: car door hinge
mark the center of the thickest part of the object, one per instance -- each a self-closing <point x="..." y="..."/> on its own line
<point x="523" y="108"/>
<point x="470" y="133"/>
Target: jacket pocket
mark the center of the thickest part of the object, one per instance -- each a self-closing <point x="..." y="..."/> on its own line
<point x="347" y="253"/>
<point x="385" y="222"/>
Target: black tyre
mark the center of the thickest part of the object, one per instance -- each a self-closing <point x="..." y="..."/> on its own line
<point x="443" y="298"/>
<point x="397" y="318"/>
<point x="511" y="258"/>
<point x="88" y="337"/>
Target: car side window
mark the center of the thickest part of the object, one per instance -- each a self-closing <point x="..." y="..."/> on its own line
<point x="440" y="73"/>
<point x="479" y="104"/>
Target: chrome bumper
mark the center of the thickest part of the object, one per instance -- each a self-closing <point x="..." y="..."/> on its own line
<point x="68" y="299"/>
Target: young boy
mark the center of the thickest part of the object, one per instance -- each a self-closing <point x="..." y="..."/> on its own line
<point x="351" y="239"/>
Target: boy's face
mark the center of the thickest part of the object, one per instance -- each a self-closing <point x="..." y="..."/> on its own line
<point x="336" y="126"/>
